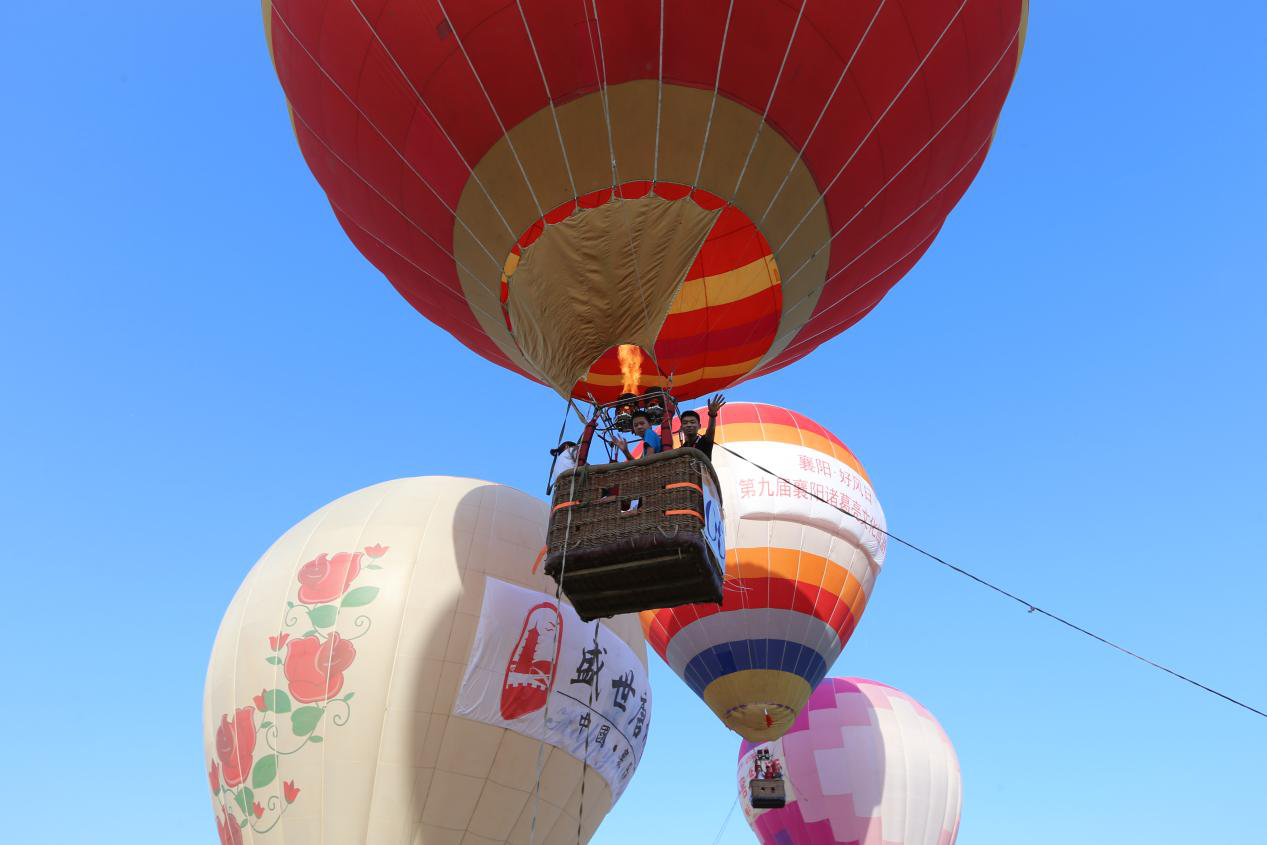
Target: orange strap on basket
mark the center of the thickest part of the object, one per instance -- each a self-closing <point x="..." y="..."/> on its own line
<point x="561" y="505"/>
<point x="540" y="557"/>
<point x="695" y="514"/>
<point x="683" y="484"/>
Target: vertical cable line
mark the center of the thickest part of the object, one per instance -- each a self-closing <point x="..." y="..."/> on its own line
<point x="806" y="299"/>
<point x="875" y="124"/>
<point x="493" y="320"/>
<point x="599" y="58"/>
<point x="822" y="113"/>
<point x="585" y="763"/>
<point x="708" y="126"/>
<point x="902" y="169"/>
<point x="768" y="103"/>
<point x="422" y="102"/>
<point x="659" y="103"/>
<point x="505" y="134"/>
<point x="558" y="609"/>
<point x="549" y="96"/>
<point x="399" y="154"/>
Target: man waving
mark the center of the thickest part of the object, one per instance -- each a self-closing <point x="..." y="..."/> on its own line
<point x="691" y="437"/>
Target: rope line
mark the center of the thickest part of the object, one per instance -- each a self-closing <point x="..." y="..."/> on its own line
<point x="585" y="763"/>
<point x="712" y="107"/>
<point x="545" y="714"/>
<point x="765" y="115"/>
<point x="510" y="144"/>
<point x="554" y="113"/>
<point x="435" y="120"/>
<point x="1030" y="606"/>
<point x="726" y="821"/>
<point x="875" y="124"/>
<point x="822" y="113"/>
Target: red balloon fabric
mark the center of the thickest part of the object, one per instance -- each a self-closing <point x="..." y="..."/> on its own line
<point x="723" y="183"/>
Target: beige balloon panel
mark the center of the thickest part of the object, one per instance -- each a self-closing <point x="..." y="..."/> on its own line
<point x="400" y="769"/>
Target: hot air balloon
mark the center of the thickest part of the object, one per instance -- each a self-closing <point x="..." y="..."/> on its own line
<point x="390" y="667"/>
<point x="721" y="186"/>
<point x="865" y="764"/>
<point x="798" y="571"/>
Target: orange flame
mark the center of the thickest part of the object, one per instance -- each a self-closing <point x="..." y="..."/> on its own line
<point x="630" y="367"/>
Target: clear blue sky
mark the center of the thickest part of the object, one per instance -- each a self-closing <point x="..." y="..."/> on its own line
<point x="1065" y="396"/>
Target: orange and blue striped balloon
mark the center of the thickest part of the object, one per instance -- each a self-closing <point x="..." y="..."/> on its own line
<point x="798" y="571"/>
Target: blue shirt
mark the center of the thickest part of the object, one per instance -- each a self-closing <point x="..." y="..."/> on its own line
<point x="651" y="442"/>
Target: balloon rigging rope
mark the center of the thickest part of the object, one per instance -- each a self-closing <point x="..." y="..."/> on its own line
<point x="875" y="124"/>
<point x="1029" y="606"/>
<point x="822" y="309"/>
<point x="558" y="130"/>
<point x="585" y="763"/>
<point x="708" y="126"/>
<point x="505" y="134"/>
<point x="791" y="168"/>
<point x="967" y="100"/>
<point x="457" y="294"/>
<point x="435" y="120"/>
<point x="726" y="821"/>
<point x="659" y="104"/>
<point x="599" y="57"/>
<point x="545" y="713"/>
<point x="756" y="136"/>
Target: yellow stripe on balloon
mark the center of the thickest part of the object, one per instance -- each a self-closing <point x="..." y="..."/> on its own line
<point x="724" y="288"/>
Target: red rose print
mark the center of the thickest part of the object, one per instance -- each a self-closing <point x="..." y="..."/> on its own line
<point x="376" y="550"/>
<point x="230" y="833"/>
<point x="276" y="643"/>
<point x="258" y="701"/>
<point x="314" y="669"/>
<point x="289" y="791"/>
<point x="325" y="579"/>
<point x="235" y="743"/>
<point x="214" y="774"/>
<point x="258" y="809"/>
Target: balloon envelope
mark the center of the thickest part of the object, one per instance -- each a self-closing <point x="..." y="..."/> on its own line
<point x="382" y="675"/>
<point x="865" y="764"/>
<point x="798" y="571"/>
<point x="726" y="185"/>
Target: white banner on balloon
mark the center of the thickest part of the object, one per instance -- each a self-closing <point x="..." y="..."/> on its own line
<point x="754" y="494"/>
<point x="530" y="650"/>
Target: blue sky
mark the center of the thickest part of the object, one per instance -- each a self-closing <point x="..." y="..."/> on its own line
<point x="1066" y="396"/>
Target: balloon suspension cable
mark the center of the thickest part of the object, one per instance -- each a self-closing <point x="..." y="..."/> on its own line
<point x="558" y="632"/>
<point x="585" y="763"/>
<point x="1028" y="605"/>
<point x="557" y="441"/>
<point x="726" y="821"/>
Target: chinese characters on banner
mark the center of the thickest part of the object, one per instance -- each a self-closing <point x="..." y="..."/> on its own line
<point x="533" y="660"/>
<point x="810" y="474"/>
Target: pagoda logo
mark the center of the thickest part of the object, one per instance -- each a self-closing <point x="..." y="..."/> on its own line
<point x="530" y="670"/>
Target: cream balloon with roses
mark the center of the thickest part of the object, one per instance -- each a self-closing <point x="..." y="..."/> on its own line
<point x="336" y="680"/>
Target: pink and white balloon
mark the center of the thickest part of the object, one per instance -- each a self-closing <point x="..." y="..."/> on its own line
<point x="864" y="763"/>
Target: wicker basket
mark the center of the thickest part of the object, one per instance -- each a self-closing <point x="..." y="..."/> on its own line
<point x="767" y="794"/>
<point x="617" y="558"/>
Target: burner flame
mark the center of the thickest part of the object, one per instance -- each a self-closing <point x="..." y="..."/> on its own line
<point x="630" y="367"/>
